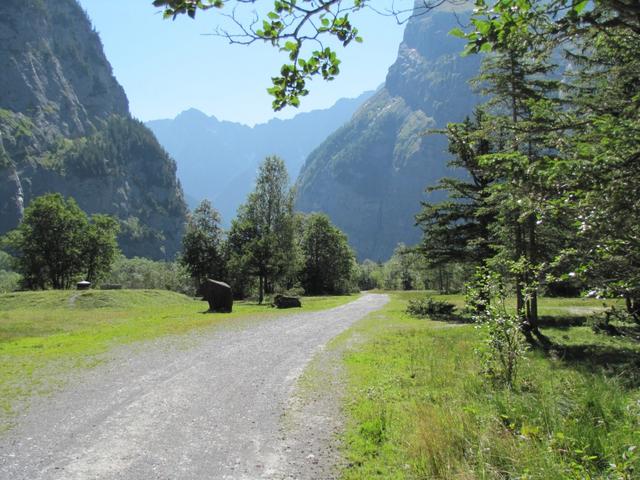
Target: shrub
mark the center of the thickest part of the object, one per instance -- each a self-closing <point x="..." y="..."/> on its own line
<point x="9" y="281"/>
<point x="505" y="345"/>
<point x="144" y="273"/>
<point x="428" y="307"/>
<point x="608" y="321"/>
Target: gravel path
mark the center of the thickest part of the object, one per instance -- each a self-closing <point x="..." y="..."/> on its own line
<point x="208" y="407"/>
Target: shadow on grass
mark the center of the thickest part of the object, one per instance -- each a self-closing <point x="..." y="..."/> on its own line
<point x="609" y="360"/>
<point x="562" y="322"/>
<point x="456" y="319"/>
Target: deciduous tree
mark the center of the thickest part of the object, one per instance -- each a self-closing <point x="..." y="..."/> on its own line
<point x="202" y="244"/>
<point x="329" y="262"/>
<point x="261" y="237"/>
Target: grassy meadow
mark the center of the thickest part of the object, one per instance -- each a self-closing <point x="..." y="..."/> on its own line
<point x="420" y="408"/>
<point x="44" y="334"/>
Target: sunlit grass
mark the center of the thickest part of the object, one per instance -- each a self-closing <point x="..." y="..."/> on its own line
<point x="43" y="334"/>
<point x="420" y="407"/>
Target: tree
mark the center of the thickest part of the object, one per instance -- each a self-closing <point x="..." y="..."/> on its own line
<point x="602" y="166"/>
<point x="202" y="244"/>
<point x="328" y="260"/>
<point x="598" y="145"/>
<point x="56" y="243"/>
<point x="405" y="270"/>
<point x="369" y="275"/>
<point x="495" y="23"/>
<point x="522" y="93"/>
<point x="100" y="246"/>
<point x="457" y="230"/>
<point x="261" y="237"/>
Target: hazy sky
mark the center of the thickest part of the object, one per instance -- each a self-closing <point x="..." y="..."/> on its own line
<point x="169" y="66"/>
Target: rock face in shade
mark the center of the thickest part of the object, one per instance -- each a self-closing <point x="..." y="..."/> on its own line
<point x="370" y="175"/>
<point x="11" y="208"/>
<point x="65" y="127"/>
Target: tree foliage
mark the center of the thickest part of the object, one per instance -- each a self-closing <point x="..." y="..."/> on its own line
<point x="57" y="243"/>
<point x="563" y="163"/>
<point x="144" y="273"/>
<point x="457" y="230"/>
<point x="203" y="243"/>
<point x="262" y="236"/>
<point x="304" y="30"/>
<point x="327" y="258"/>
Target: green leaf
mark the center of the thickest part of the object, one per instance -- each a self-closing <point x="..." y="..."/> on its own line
<point x="457" y="32"/>
<point x="580" y="6"/>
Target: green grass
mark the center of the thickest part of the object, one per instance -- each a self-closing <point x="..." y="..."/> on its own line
<point x="420" y="408"/>
<point x="44" y="334"/>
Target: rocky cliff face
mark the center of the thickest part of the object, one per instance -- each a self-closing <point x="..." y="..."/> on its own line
<point x="65" y="127"/>
<point x="370" y="175"/>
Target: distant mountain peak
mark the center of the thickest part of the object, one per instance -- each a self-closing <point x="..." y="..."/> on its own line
<point x="194" y="114"/>
<point x="218" y="159"/>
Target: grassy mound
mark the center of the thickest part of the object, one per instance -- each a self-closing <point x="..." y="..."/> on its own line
<point x="69" y="299"/>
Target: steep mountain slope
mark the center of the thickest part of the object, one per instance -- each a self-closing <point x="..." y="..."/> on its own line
<point x="218" y="160"/>
<point x="65" y="127"/>
<point x="370" y="175"/>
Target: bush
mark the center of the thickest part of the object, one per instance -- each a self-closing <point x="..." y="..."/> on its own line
<point x="428" y="307"/>
<point x="138" y="273"/>
<point x="608" y="321"/>
<point x="505" y="345"/>
<point x="9" y="281"/>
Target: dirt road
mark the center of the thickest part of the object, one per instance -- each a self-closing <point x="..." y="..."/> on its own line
<point x="208" y="406"/>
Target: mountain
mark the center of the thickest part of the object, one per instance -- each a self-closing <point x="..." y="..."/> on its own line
<point x="370" y="175"/>
<point x="219" y="160"/>
<point x="65" y="127"/>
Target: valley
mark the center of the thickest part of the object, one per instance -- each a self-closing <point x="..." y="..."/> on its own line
<point x="416" y="255"/>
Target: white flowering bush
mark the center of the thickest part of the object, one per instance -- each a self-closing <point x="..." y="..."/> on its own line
<point x="505" y="346"/>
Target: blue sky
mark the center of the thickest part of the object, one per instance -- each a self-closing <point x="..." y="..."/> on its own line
<point x="169" y="66"/>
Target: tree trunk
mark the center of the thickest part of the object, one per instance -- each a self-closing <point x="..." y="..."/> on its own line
<point x="519" y="275"/>
<point x="633" y="306"/>
<point x="533" y="259"/>
<point x="261" y="290"/>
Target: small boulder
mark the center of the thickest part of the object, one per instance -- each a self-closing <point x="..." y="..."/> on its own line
<point x="218" y="294"/>
<point x="282" y="301"/>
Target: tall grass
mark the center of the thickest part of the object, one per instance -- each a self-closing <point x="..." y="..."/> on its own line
<point x="421" y="408"/>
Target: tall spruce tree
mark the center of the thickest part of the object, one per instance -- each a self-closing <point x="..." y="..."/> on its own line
<point x="457" y="230"/>
<point x="517" y="78"/>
